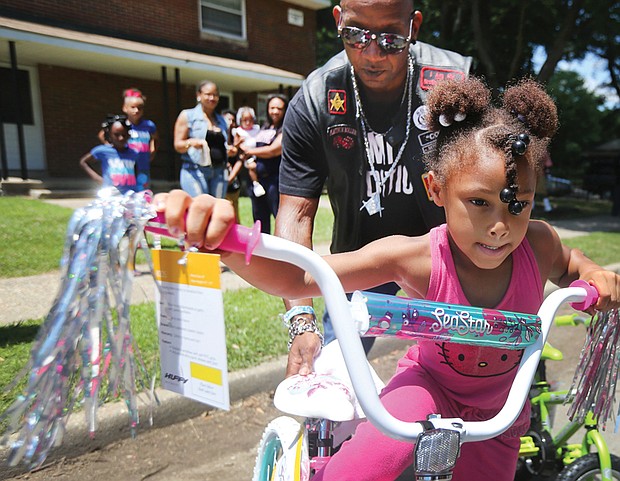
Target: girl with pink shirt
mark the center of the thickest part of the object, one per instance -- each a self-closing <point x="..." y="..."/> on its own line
<point x="489" y="254"/>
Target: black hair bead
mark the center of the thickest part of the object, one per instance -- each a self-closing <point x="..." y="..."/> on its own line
<point x="507" y="195"/>
<point x="518" y="147"/>
<point x="524" y="138"/>
<point x="515" y="207"/>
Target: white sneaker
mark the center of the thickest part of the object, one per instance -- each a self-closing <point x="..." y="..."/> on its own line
<point x="258" y="189"/>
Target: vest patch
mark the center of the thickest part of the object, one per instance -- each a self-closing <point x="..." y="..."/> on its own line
<point x="337" y="102"/>
<point x="428" y="140"/>
<point x="429" y="76"/>
<point x="342" y="136"/>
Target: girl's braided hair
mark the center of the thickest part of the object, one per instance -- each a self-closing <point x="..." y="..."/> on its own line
<point x="468" y="124"/>
<point x="110" y="120"/>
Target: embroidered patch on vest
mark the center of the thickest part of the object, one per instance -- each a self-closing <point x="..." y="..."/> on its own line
<point x="429" y="76"/>
<point x="427" y="185"/>
<point x="342" y="136"/>
<point x="337" y="102"/>
<point x="428" y="140"/>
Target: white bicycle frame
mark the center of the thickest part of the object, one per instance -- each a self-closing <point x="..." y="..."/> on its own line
<point x="336" y="303"/>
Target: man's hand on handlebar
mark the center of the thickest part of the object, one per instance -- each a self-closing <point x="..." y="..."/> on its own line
<point x="305" y="348"/>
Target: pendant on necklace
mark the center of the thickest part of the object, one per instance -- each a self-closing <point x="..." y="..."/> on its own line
<point x="373" y="205"/>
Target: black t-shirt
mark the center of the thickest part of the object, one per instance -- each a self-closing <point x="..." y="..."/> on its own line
<point x="323" y="145"/>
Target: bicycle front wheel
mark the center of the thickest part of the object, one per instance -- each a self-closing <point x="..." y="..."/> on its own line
<point x="587" y="468"/>
<point x="282" y="452"/>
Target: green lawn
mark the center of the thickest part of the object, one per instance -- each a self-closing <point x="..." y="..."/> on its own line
<point x="254" y="334"/>
<point x="32" y="234"/>
<point x="572" y="208"/>
<point x="602" y="247"/>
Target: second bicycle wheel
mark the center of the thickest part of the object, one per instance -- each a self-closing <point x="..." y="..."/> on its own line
<point x="587" y="468"/>
<point x="282" y="452"/>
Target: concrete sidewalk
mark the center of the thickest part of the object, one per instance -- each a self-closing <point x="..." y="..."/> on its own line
<point x="32" y="297"/>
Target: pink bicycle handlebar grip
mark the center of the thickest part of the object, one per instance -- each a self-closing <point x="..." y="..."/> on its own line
<point x="239" y="238"/>
<point x="242" y="239"/>
<point x="591" y="295"/>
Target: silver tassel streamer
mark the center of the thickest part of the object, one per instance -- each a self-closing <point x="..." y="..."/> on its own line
<point x="594" y="384"/>
<point x="81" y="346"/>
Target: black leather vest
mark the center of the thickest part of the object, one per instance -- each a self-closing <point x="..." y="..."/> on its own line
<point x="329" y="97"/>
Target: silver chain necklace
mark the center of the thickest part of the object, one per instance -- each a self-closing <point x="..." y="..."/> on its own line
<point x="373" y="203"/>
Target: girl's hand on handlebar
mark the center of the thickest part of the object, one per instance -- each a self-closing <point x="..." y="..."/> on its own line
<point x="607" y="284"/>
<point x="204" y="220"/>
<point x="304" y="349"/>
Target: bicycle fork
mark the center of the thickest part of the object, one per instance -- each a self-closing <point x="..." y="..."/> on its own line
<point x="320" y="442"/>
<point x="592" y="438"/>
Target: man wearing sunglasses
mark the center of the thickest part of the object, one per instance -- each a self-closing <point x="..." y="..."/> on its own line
<point x="356" y="126"/>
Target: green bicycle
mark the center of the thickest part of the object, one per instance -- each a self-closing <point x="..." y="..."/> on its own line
<point x="547" y="456"/>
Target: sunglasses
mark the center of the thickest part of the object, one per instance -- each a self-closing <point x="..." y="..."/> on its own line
<point x="360" y="38"/>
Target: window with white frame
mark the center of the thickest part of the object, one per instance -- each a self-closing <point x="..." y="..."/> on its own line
<point x="223" y="17"/>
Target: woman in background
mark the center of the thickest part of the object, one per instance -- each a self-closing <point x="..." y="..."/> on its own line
<point x="268" y="152"/>
<point x="201" y="137"/>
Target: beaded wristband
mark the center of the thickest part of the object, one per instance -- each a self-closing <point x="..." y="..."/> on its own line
<point x="297" y="323"/>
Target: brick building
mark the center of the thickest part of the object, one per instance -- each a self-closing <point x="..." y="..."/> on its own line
<point x="63" y="66"/>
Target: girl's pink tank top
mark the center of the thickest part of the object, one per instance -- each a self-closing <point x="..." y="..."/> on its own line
<point x="477" y="376"/>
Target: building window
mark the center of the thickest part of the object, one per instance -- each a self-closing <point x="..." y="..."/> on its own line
<point x="9" y="108"/>
<point x="223" y="17"/>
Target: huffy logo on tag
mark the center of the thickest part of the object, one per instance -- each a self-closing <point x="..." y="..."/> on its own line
<point x="175" y="377"/>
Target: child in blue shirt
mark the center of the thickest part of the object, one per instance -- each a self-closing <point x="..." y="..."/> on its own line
<point x="118" y="161"/>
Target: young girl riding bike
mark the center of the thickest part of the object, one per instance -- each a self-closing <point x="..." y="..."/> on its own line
<point x="489" y="254"/>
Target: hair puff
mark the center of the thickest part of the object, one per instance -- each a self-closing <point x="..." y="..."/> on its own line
<point x="528" y="101"/>
<point x="451" y="97"/>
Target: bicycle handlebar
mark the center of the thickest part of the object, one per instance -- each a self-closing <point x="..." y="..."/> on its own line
<point x="249" y="241"/>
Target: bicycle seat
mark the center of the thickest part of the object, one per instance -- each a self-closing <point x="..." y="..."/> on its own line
<point x="550" y="353"/>
<point x="326" y="393"/>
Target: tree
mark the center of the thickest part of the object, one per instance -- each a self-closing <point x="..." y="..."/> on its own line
<point x="581" y="121"/>
<point x="502" y="35"/>
<point x="328" y="43"/>
<point x="601" y="37"/>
